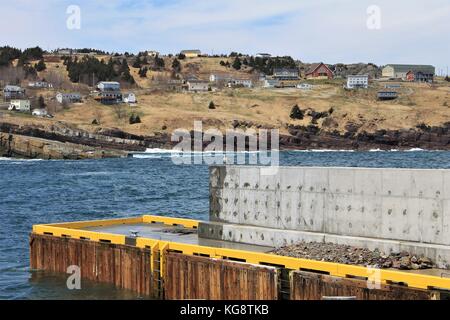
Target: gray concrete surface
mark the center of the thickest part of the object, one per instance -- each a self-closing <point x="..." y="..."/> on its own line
<point x="392" y="209"/>
<point x="169" y="233"/>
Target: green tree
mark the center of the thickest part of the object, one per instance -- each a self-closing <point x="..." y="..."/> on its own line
<point x="41" y="102"/>
<point x="40" y="66"/>
<point x="137" y="63"/>
<point x="296" y="113"/>
<point x="176" y="65"/>
<point x="237" y="64"/>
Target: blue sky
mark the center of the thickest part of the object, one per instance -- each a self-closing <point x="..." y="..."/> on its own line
<point x="411" y="31"/>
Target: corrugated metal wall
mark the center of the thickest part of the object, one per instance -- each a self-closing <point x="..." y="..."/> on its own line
<point x="123" y="266"/>
<point x="313" y="286"/>
<point x="193" y="277"/>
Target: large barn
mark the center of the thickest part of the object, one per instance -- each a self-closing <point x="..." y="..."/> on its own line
<point x="410" y="72"/>
<point x="319" y="71"/>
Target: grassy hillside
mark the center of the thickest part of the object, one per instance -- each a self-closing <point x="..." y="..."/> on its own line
<point x="165" y="111"/>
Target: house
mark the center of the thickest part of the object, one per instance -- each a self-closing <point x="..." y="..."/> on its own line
<point x="108" y="97"/>
<point x="245" y="83"/>
<point x="13" y="92"/>
<point x="285" y="74"/>
<point x="40" y="113"/>
<point x="423" y="73"/>
<point x="197" y="85"/>
<point x="357" y="81"/>
<point x="263" y="55"/>
<point x="220" y="77"/>
<point x="152" y="53"/>
<point x="392" y="86"/>
<point x="305" y="86"/>
<point x="39" y="84"/>
<point x="108" y="86"/>
<point x="191" y="53"/>
<point x="319" y="71"/>
<point x="21" y="105"/>
<point x="129" y="98"/>
<point x="68" y="97"/>
<point x="66" y="52"/>
<point x="387" y="95"/>
<point x="419" y="76"/>
<point x="271" y="83"/>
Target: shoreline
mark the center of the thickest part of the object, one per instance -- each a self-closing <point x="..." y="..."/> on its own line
<point x="62" y="141"/>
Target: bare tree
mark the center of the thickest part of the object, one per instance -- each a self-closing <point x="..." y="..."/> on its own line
<point x="55" y="78"/>
<point x="120" y="111"/>
<point x="11" y="75"/>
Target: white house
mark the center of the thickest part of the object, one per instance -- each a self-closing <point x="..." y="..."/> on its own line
<point x="271" y="83"/>
<point x="304" y="86"/>
<point x="129" y="98"/>
<point x="20" y="105"/>
<point x="108" y="86"/>
<point x="40" y="113"/>
<point x="68" y="97"/>
<point x="13" y="92"/>
<point x="39" y="84"/>
<point x="152" y="53"/>
<point x="216" y="77"/>
<point x="197" y="85"/>
<point x="263" y="55"/>
<point x="246" y="83"/>
<point x="358" y="81"/>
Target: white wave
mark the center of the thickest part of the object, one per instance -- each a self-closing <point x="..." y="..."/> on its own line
<point x="415" y="150"/>
<point x="82" y="174"/>
<point x="322" y="150"/>
<point x="157" y="150"/>
<point x="19" y="160"/>
<point x="175" y="151"/>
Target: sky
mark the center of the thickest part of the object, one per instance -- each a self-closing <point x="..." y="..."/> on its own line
<point x="332" y="31"/>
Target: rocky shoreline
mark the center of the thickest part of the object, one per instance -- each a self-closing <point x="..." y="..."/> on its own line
<point x="62" y="141"/>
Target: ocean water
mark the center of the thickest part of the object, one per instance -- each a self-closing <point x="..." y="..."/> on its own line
<point x="33" y="191"/>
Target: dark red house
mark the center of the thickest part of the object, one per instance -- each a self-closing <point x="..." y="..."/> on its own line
<point x="319" y="71"/>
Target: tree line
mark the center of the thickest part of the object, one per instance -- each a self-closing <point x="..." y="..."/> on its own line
<point x="88" y="69"/>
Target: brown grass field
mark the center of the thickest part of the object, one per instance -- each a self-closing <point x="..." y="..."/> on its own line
<point x="418" y="103"/>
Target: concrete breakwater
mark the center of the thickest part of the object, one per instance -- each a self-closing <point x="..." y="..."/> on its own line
<point x="392" y="210"/>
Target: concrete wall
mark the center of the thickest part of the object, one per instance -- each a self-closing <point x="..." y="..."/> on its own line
<point x="397" y="205"/>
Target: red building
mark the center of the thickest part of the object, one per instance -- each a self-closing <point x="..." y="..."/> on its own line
<point x="410" y="76"/>
<point x="319" y="71"/>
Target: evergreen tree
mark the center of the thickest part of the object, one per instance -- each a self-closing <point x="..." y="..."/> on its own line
<point x="137" y="63"/>
<point x="237" y="64"/>
<point x="40" y="66"/>
<point x="176" y="65"/>
<point x="41" y="102"/>
<point x="296" y="113"/>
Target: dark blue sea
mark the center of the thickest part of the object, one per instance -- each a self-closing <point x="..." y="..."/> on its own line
<point x="33" y="192"/>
